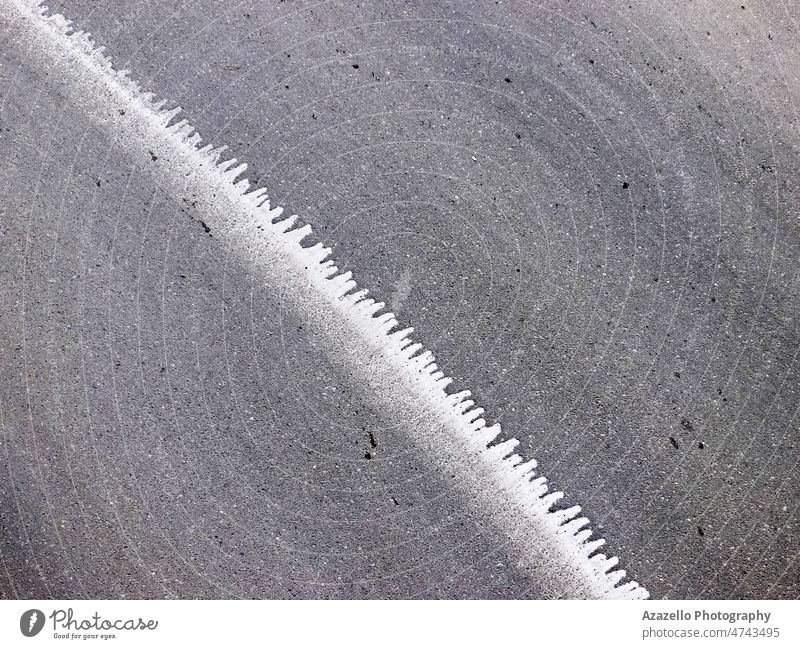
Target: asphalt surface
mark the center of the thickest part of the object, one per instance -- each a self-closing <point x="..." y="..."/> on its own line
<point x="588" y="211"/>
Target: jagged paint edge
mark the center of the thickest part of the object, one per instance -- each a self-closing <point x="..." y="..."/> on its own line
<point x="518" y="475"/>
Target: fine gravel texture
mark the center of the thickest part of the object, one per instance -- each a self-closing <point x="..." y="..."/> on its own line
<point x="587" y="210"/>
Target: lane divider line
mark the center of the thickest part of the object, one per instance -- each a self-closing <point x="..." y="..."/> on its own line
<point x="554" y="546"/>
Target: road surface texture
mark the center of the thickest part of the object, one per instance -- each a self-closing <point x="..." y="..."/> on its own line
<point x="587" y="210"/>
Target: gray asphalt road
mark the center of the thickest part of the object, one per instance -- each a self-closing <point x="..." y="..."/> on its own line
<point x="587" y="210"/>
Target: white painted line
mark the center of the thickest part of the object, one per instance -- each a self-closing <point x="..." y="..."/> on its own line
<point x="351" y="329"/>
